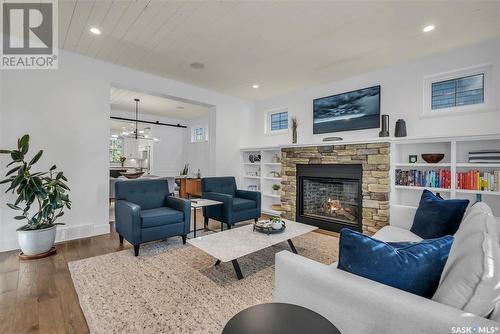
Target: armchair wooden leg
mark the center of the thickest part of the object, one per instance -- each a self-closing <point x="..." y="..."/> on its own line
<point x="221" y="226"/>
<point x="184" y="237"/>
<point x="256" y="219"/>
<point x="121" y="239"/>
<point x="136" y="250"/>
<point x="228" y="226"/>
<point x="205" y="222"/>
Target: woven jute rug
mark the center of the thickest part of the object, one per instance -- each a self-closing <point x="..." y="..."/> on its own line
<point x="175" y="288"/>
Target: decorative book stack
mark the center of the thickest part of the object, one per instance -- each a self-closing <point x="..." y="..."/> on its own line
<point x="484" y="156"/>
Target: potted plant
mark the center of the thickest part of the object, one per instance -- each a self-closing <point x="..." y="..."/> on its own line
<point x="276" y="188"/>
<point x="41" y="199"/>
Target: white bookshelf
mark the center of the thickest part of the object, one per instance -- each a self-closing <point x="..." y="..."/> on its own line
<point x="259" y="175"/>
<point x="456" y="151"/>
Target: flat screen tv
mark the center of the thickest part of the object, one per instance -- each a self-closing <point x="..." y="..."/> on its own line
<point x="356" y="110"/>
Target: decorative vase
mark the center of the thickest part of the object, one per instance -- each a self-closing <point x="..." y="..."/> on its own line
<point x="294" y="136"/>
<point x="34" y="242"/>
<point x="384" y="131"/>
<point x="400" y="128"/>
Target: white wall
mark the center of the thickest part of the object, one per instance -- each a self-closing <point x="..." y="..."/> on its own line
<point x="402" y="89"/>
<point x="197" y="154"/>
<point x="66" y="112"/>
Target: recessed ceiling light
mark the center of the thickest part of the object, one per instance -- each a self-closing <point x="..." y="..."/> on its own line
<point x="197" y="66"/>
<point x="255" y="86"/>
<point x="95" y="31"/>
<point x="428" y="28"/>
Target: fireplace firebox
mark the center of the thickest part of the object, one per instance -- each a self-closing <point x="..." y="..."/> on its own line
<point x="329" y="196"/>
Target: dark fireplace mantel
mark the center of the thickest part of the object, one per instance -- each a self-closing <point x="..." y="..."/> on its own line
<point x="329" y="196"/>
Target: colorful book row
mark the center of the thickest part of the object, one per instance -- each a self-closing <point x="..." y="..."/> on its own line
<point x="440" y="178"/>
<point x="477" y="180"/>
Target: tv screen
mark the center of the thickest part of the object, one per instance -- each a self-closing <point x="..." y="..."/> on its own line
<point x="356" y="110"/>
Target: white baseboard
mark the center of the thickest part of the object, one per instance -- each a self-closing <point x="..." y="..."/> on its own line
<point x="65" y="233"/>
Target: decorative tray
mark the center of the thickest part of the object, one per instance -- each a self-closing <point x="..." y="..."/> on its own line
<point x="265" y="226"/>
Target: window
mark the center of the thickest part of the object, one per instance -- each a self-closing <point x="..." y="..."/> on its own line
<point x="115" y="149"/>
<point x="198" y="135"/>
<point x="467" y="90"/>
<point x="277" y="121"/>
<point x="458" y="92"/>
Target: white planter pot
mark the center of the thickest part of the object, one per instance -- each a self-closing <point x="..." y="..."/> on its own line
<point x="35" y="242"/>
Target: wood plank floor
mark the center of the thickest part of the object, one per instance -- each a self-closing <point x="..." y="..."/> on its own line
<point x="38" y="296"/>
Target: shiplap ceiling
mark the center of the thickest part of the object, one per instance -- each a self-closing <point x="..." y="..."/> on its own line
<point x="280" y="45"/>
<point x="123" y="99"/>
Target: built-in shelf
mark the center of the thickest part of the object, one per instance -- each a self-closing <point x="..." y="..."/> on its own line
<point x="271" y="195"/>
<point x="423" y="164"/>
<point x="444" y="190"/>
<point x="481" y="192"/>
<point x="271" y="212"/>
<point x="267" y="164"/>
<point x="456" y="151"/>
<point x="477" y="165"/>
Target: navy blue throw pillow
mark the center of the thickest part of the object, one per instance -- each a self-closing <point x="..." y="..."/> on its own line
<point x="414" y="266"/>
<point x="437" y="217"/>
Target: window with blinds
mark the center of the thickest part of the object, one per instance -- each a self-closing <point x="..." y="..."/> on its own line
<point x="279" y="121"/>
<point x="458" y="92"/>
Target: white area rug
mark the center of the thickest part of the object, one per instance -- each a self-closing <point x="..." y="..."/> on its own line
<point x="175" y="288"/>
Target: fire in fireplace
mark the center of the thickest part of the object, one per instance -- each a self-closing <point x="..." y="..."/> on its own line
<point x="329" y="196"/>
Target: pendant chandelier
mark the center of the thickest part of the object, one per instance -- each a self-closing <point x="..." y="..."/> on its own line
<point x="136" y="133"/>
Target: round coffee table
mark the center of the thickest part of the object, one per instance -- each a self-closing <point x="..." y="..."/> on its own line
<point x="279" y="318"/>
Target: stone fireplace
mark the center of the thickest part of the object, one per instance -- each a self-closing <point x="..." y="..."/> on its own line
<point x="329" y="196"/>
<point x="337" y="186"/>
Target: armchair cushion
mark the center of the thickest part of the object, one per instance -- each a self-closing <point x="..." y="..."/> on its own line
<point x="160" y="216"/>
<point x="147" y="193"/>
<point x="224" y="185"/>
<point x="240" y="204"/>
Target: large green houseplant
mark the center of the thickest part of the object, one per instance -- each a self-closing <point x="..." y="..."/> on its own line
<point x="41" y="198"/>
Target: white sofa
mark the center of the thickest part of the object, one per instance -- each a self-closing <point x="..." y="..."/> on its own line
<point x="358" y="305"/>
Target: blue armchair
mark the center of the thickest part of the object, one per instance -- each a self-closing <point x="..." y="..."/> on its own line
<point x="238" y="205"/>
<point x="145" y="212"/>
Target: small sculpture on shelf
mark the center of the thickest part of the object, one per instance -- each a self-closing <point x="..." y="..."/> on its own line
<point x="274" y="173"/>
<point x="253" y="158"/>
<point x="276" y="158"/>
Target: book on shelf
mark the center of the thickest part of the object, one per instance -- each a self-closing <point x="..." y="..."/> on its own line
<point x="484" y="156"/>
<point x="479" y="180"/>
<point x="440" y="178"/>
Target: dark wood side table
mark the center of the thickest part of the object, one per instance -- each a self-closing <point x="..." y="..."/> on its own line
<point x="279" y="318"/>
